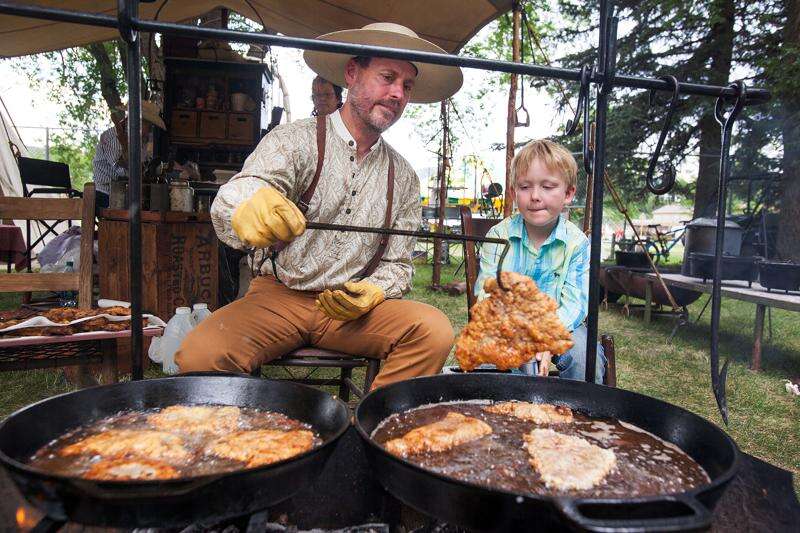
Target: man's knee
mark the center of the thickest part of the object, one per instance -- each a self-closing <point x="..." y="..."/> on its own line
<point x="203" y="349"/>
<point x="435" y="329"/>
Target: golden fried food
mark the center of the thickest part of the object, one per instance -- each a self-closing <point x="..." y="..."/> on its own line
<point x="452" y="430"/>
<point x="263" y="446"/>
<point x="538" y="413"/>
<point x="158" y="445"/>
<point x="123" y="468"/>
<point x="566" y="462"/>
<point x="116" y="310"/>
<point x="511" y="326"/>
<point x="65" y="315"/>
<point x="197" y="419"/>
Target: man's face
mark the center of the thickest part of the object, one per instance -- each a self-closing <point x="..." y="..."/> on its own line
<point x="323" y="97"/>
<point x="379" y="93"/>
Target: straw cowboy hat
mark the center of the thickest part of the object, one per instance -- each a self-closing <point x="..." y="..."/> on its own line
<point x="434" y="82"/>
<point x="149" y="113"/>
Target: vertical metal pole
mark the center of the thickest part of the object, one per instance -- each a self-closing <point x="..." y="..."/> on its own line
<point x="47" y="143"/>
<point x="511" y="116"/>
<point x="129" y="9"/>
<point x="607" y="62"/>
<point x="436" y="276"/>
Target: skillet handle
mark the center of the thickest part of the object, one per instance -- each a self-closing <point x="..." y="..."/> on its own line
<point x="124" y="491"/>
<point x="667" y="513"/>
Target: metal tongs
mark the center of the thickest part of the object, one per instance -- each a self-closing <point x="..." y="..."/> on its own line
<point x="255" y="266"/>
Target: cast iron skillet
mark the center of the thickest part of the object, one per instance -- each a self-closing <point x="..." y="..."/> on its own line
<point x="168" y="503"/>
<point x="480" y="508"/>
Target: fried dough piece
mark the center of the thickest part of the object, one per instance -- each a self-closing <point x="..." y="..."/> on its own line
<point x="452" y="430"/>
<point x="538" y="413"/>
<point x="122" y="468"/>
<point x="566" y="462"/>
<point x="147" y="444"/>
<point x="262" y="446"/>
<point x="197" y="419"/>
<point x="511" y="326"/>
<point x="65" y="315"/>
<point x="116" y="310"/>
<point x="120" y="325"/>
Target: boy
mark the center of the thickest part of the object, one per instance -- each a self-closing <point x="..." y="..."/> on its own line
<point x="547" y="247"/>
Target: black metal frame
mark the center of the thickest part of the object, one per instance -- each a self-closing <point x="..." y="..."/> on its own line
<point x="604" y="77"/>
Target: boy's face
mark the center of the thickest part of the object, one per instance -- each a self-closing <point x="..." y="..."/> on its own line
<point x="541" y="194"/>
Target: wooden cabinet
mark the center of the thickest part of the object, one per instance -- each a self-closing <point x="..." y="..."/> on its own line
<point x="180" y="263"/>
<point x="213" y="111"/>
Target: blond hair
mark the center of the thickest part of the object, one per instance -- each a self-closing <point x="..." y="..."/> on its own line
<point x="555" y="157"/>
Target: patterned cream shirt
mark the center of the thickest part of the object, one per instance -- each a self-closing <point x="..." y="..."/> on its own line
<point x="349" y="192"/>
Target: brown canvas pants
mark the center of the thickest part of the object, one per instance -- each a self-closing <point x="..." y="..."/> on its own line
<point x="271" y="320"/>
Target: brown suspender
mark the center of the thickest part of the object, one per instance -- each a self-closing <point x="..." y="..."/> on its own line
<point x="305" y="200"/>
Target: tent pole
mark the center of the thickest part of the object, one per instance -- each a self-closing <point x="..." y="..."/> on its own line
<point x="128" y="10"/>
<point x="511" y="118"/>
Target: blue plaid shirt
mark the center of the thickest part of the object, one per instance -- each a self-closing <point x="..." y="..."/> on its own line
<point x="546" y="266"/>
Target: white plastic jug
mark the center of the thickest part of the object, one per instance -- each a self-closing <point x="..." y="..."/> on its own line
<point x="162" y="350"/>
<point x="199" y="313"/>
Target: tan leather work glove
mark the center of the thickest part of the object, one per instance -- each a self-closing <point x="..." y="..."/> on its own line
<point x="358" y="298"/>
<point x="266" y="218"/>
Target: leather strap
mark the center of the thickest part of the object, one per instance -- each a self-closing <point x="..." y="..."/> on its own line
<point x="387" y="223"/>
<point x="305" y="201"/>
<point x="305" y="198"/>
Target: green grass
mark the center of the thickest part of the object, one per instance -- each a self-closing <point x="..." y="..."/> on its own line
<point x="764" y="418"/>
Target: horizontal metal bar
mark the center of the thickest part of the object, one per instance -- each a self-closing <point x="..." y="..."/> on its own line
<point x="61" y="15"/>
<point x="754" y="95"/>
<point x="404" y="232"/>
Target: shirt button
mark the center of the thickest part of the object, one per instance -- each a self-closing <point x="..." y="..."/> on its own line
<point x="347" y="211"/>
<point x="350" y="143"/>
<point x="353" y="193"/>
<point x="352" y="158"/>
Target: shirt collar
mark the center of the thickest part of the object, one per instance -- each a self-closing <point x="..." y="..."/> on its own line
<point x="341" y="130"/>
<point x="517" y="230"/>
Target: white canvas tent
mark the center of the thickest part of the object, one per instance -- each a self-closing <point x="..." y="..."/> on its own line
<point x="448" y="23"/>
<point x="10" y="183"/>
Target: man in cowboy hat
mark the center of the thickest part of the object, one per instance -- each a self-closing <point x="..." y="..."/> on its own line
<point x="332" y="290"/>
<point x="107" y="154"/>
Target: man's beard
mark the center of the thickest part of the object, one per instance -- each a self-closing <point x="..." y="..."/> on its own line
<point x="363" y="108"/>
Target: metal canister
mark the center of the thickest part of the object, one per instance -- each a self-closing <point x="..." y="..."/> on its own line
<point x="181" y="196"/>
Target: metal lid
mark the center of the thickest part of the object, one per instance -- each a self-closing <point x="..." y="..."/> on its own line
<point x="711" y="222"/>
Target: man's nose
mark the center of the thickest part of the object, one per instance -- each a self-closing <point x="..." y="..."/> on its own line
<point x="397" y="90"/>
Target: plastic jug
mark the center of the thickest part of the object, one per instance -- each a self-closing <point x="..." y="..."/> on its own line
<point x="199" y="313"/>
<point x="162" y="350"/>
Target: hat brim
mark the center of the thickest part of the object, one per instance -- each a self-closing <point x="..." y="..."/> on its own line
<point x="156" y="121"/>
<point x="434" y="83"/>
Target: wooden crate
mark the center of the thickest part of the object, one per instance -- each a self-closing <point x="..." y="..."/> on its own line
<point x="212" y="125"/>
<point x="240" y="127"/>
<point x="183" y="124"/>
<point x="180" y="264"/>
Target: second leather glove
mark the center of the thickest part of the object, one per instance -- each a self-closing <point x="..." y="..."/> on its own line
<point x="266" y="218"/>
<point x="357" y="299"/>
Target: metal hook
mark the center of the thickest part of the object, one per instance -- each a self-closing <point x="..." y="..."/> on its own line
<point x="668" y="180"/>
<point x="719" y="378"/>
<point x="583" y="97"/>
<point x="500" y="266"/>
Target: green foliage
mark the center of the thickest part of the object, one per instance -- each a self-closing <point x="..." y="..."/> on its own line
<point x="72" y="78"/>
<point x="77" y="153"/>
